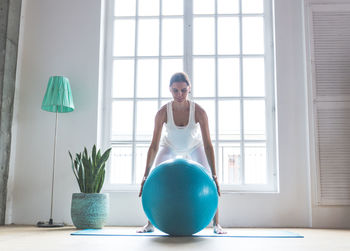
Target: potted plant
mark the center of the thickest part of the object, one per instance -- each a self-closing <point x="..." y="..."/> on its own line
<point x="90" y="208"/>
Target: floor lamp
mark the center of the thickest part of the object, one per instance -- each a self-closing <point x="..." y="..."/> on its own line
<point x="58" y="98"/>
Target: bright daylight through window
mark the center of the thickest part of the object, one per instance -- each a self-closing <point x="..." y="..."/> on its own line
<point x="226" y="48"/>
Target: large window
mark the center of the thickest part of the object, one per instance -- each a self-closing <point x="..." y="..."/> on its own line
<point x="226" y="47"/>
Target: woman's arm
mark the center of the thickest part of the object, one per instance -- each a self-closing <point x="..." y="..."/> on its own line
<point x="202" y="118"/>
<point x="160" y="119"/>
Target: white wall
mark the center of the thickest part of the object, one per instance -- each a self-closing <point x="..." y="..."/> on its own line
<point x="62" y="37"/>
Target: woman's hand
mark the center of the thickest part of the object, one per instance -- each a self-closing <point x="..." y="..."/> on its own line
<point x="215" y="178"/>
<point x="142" y="183"/>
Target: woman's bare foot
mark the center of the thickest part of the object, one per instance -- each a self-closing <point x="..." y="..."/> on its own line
<point x="148" y="228"/>
<point x="218" y="229"/>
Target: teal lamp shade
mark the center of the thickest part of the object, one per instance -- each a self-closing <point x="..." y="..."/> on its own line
<point x="58" y="96"/>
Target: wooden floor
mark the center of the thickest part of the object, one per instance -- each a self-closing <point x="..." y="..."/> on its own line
<point x="13" y="238"/>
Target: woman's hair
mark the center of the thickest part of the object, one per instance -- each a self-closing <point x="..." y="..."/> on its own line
<point x="180" y="77"/>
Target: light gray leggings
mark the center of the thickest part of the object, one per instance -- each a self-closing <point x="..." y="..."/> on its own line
<point x="198" y="155"/>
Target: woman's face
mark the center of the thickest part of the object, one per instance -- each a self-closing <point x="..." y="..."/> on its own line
<point x="179" y="90"/>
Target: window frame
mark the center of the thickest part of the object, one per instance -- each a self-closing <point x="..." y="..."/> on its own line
<point x="272" y="185"/>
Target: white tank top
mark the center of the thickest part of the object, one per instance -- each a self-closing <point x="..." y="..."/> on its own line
<point x="182" y="139"/>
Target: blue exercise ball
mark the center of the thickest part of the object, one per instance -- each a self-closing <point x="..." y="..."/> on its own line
<point x="179" y="197"/>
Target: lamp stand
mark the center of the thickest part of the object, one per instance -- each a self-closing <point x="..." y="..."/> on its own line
<point x="50" y="223"/>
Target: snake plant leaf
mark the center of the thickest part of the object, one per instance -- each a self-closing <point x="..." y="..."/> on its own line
<point x="104" y="157"/>
<point x="100" y="180"/>
<point x="98" y="154"/>
<point x="81" y="175"/>
<point x="87" y="168"/>
<point x="94" y="155"/>
<point x="95" y="183"/>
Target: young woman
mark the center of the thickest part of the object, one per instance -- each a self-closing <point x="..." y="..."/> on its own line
<point x="187" y="135"/>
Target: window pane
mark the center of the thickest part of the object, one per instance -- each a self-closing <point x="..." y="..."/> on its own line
<point x="228" y="35"/>
<point x="148" y="37"/>
<point x="148" y="7"/>
<point x="253" y="6"/>
<point x="124" y="38"/>
<point x="255" y="163"/>
<point x="123" y="78"/>
<point x="229" y="120"/>
<point x="230" y="163"/>
<point x="140" y="161"/>
<point x="228" y="77"/>
<point x="171" y="7"/>
<point x="172" y="36"/>
<point x="146" y="112"/>
<point x="124" y="7"/>
<point x="169" y="67"/>
<point x="147" y="78"/>
<point x="203" y="77"/>
<point x="253" y="35"/>
<point x="203" y="36"/>
<point x="203" y="6"/>
<point x="121" y="165"/>
<point x="209" y="107"/>
<point x="122" y="120"/>
<point x="254" y="120"/>
<point x="228" y="6"/>
<point x="253" y="77"/>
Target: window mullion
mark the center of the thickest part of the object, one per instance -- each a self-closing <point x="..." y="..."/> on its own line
<point x="159" y="54"/>
<point x="133" y="175"/>
<point x="219" y="168"/>
<point x="188" y="30"/>
<point x="241" y="93"/>
<point x="108" y="82"/>
<point x="270" y="94"/>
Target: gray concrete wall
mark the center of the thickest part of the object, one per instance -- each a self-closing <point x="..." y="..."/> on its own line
<point x="10" y="11"/>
